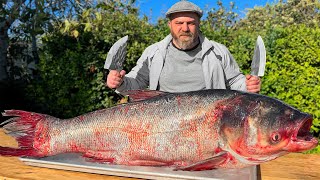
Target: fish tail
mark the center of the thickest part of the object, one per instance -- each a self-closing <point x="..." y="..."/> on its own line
<point x="22" y="128"/>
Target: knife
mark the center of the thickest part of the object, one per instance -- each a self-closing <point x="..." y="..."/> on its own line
<point x="117" y="55"/>
<point x="259" y="59"/>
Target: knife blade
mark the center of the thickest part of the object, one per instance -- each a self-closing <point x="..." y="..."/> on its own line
<point x="117" y="55"/>
<point x="259" y="58"/>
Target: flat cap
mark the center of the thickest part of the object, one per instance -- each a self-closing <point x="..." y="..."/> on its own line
<point x="184" y="6"/>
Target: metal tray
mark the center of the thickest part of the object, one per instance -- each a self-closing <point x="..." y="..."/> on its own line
<point x="74" y="162"/>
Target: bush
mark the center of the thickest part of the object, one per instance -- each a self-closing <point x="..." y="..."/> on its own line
<point x="71" y="64"/>
<point x="70" y="81"/>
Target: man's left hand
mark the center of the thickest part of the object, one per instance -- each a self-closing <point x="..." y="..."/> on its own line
<point x="253" y="83"/>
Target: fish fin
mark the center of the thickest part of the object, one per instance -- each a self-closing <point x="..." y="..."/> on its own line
<point x="113" y="157"/>
<point x="147" y="163"/>
<point x="139" y="95"/>
<point x="7" y="151"/>
<point x="100" y="156"/>
<point x="22" y="128"/>
<point x="208" y="164"/>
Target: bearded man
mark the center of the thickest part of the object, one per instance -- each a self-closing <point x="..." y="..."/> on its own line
<point x="184" y="60"/>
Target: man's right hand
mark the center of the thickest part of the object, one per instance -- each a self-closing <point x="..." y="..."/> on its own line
<point x="115" y="78"/>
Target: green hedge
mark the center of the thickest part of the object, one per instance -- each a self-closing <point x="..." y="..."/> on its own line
<point x="71" y="75"/>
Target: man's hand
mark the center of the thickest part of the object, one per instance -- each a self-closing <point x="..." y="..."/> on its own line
<point x="253" y="83"/>
<point x="115" y="78"/>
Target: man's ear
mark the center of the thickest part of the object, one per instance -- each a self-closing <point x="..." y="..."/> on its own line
<point x="169" y="24"/>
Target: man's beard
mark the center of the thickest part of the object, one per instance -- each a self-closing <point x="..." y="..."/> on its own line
<point x="186" y="43"/>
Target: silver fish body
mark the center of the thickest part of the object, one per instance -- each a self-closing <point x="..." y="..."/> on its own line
<point x="191" y="131"/>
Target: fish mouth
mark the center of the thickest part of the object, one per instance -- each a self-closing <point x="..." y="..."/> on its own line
<point x="302" y="140"/>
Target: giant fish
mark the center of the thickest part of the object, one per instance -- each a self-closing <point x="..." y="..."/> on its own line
<point x="190" y="131"/>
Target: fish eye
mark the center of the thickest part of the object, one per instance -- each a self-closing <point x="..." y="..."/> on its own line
<point x="275" y="137"/>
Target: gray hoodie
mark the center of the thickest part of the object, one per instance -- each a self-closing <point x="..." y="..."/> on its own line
<point x="220" y="70"/>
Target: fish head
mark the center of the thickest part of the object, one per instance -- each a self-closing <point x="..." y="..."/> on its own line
<point x="261" y="128"/>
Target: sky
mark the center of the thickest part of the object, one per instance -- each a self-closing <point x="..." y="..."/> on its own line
<point x="157" y="8"/>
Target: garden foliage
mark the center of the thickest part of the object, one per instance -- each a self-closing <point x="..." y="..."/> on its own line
<point x="72" y="78"/>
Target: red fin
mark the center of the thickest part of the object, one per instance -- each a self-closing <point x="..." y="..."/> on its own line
<point x="207" y="164"/>
<point x="113" y="157"/>
<point x="7" y="151"/>
<point x="22" y="128"/>
<point x="100" y="156"/>
<point x="147" y="163"/>
<point x="139" y="95"/>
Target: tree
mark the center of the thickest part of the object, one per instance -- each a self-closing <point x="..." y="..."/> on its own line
<point x="8" y="14"/>
<point x="219" y="23"/>
<point x="72" y="58"/>
<point x="22" y="20"/>
<point x="282" y="14"/>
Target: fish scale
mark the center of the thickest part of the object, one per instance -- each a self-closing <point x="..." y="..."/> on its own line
<point x="197" y="130"/>
<point x="174" y="115"/>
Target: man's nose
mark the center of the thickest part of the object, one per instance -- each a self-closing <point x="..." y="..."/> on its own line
<point x="185" y="27"/>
